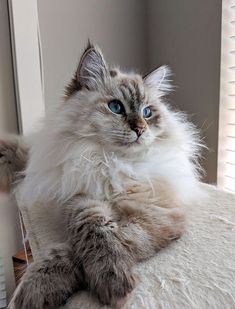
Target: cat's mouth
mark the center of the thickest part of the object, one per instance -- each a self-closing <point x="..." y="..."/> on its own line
<point x="137" y="141"/>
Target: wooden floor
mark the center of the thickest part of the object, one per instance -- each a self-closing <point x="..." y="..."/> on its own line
<point x="20" y="262"/>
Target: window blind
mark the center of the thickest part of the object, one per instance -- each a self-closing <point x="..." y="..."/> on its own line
<point x="226" y="150"/>
<point x="2" y="286"/>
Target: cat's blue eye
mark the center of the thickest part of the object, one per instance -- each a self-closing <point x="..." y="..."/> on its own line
<point x="116" y="107"/>
<point x="147" y="112"/>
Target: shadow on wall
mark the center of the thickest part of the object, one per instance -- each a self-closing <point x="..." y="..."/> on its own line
<point x="187" y="36"/>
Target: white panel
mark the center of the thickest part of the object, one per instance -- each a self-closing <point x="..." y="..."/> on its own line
<point x="226" y="157"/>
<point x="230" y="157"/>
<point x="27" y="68"/>
<point x="229" y="184"/>
<point x="2" y="286"/>
<point x="230" y="170"/>
<point x="231" y="128"/>
<point x="230" y="143"/>
<point x="230" y="114"/>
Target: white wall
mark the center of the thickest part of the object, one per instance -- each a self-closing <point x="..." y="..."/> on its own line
<point x="186" y="34"/>
<point x="119" y="27"/>
<point x="10" y="239"/>
<point x="142" y="34"/>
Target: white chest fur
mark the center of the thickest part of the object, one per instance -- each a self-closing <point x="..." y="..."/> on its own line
<point x="102" y="176"/>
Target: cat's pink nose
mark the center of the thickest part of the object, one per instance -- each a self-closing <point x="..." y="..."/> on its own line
<point x="139" y="131"/>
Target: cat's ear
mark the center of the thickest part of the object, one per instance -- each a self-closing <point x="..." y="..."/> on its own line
<point x="159" y="80"/>
<point x="92" y="69"/>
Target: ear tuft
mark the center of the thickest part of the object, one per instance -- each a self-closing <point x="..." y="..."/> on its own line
<point x="91" y="72"/>
<point x="92" y="69"/>
<point x="160" y="80"/>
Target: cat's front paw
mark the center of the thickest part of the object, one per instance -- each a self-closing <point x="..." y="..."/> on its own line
<point x="113" y="286"/>
<point x="35" y="294"/>
<point x="27" y="296"/>
<point x="48" y="283"/>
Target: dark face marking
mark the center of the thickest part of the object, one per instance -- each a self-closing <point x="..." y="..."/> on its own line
<point x="125" y="92"/>
<point x="155" y="120"/>
<point x="136" y="121"/>
<point x="133" y="94"/>
<point x="113" y="73"/>
<point x="156" y="117"/>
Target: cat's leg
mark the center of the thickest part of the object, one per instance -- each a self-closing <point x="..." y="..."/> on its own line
<point x="49" y="282"/>
<point x="13" y="159"/>
<point x="149" y="228"/>
<point x="96" y="239"/>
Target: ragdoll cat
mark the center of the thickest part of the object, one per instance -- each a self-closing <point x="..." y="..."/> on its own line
<point x="120" y="164"/>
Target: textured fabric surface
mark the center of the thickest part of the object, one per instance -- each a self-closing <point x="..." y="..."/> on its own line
<point x="196" y="271"/>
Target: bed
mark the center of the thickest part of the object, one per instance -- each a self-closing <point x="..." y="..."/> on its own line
<point x="196" y="271"/>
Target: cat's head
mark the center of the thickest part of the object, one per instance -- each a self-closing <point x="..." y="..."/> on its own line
<point x="116" y="109"/>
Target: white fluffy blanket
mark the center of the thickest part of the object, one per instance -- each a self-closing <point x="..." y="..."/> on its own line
<point x="196" y="271"/>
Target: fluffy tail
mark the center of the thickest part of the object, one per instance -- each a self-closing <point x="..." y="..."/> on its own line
<point x="13" y="159"/>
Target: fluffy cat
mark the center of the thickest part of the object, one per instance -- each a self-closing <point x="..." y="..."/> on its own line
<point x="120" y="164"/>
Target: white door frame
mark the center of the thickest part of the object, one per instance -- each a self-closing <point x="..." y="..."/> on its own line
<point x="27" y="63"/>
